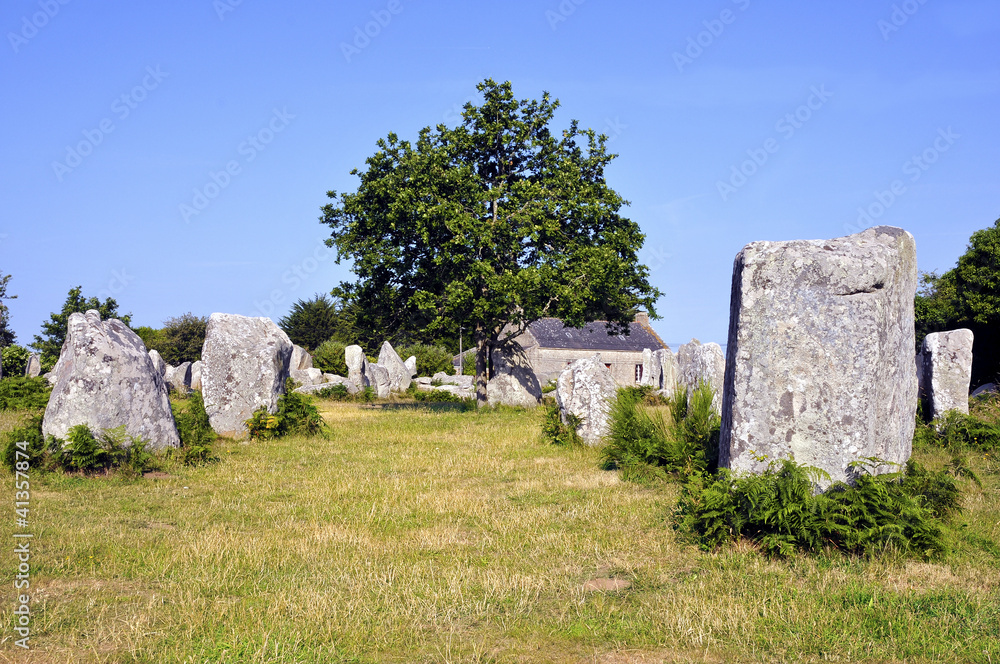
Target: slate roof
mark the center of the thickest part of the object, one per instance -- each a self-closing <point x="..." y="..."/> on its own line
<point x="550" y="333"/>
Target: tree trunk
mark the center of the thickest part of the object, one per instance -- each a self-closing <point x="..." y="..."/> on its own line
<point x="482" y="363"/>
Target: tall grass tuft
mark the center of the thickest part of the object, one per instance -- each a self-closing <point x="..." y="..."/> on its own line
<point x="646" y="441"/>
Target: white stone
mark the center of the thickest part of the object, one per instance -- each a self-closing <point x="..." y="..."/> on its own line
<point x="698" y="362"/>
<point x="244" y="367"/>
<point x="947" y="371"/>
<point x="399" y="373"/>
<point x="820" y="357"/>
<point x="354" y="356"/>
<point x="585" y="389"/>
<point x="106" y="379"/>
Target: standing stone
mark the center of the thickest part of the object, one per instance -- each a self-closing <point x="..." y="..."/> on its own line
<point x="585" y="389"/>
<point x="106" y="379"/>
<point x="698" y="362"/>
<point x="376" y="377"/>
<point x="354" y="357"/>
<point x="411" y="364"/>
<point x="34" y="366"/>
<point x="668" y="372"/>
<point x="311" y="376"/>
<point x="245" y="364"/>
<point x="647" y="368"/>
<point x="820" y="364"/>
<point x="301" y="359"/>
<point x="196" y="375"/>
<point x="399" y="373"/>
<point x="180" y="378"/>
<point x="947" y="371"/>
<point x="513" y="383"/>
<point x="158" y="363"/>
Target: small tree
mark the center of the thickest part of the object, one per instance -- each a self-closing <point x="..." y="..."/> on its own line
<point x="311" y="322"/>
<point x="53" y="335"/>
<point x="7" y="336"/>
<point x="490" y="225"/>
<point x="182" y="338"/>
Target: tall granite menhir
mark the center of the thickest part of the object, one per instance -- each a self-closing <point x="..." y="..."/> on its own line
<point x="244" y="366"/>
<point x="820" y="359"/>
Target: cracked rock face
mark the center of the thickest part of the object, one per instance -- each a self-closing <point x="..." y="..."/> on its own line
<point x="244" y="366"/>
<point x="946" y="367"/>
<point x="820" y="359"/>
<point x="399" y="373"/>
<point x="106" y="379"/>
<point x="585" y="389"/>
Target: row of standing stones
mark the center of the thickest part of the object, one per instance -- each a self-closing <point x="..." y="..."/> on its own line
<point x="820" y="365"/>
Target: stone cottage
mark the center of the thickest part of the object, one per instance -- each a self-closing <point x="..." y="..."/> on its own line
<point x="550" y="347"/>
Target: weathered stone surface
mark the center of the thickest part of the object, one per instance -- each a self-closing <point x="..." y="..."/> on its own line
<point x="301" y="359"/>
<point x="947" y="371"/>
<point x="158" y="363"/>
<point x="424" y="380"/>
<point x="820" y="363"/>
<point x="106" y="379"/>
<point x="399" y="373"/>
<point x="659" y="370"/>
<point x="196" y="367"/>
<point x="309" y="376"/>
<point x="354" y="356"/>
<point x="376" y="377"/>
<point x="585" y="389"/>
<point x="513" y="382"/>
<point x="34" y="366"/>
<point x="411" y="364"/>
<point x="245" y="364"/>
<point x="336" y="380"/>
<point x="179" y="379"/>
<point x="698" y="362"/>
<point x="452" y="379"/>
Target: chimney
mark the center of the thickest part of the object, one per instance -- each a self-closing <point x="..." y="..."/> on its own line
<point x="642" y="318"/>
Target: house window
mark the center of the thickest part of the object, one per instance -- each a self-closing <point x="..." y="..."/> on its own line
<point x="638" y="373"/>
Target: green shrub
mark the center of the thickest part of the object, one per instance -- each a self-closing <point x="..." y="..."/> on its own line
<point x="27" y="439"/>
<point x="84" y="452"/>
<point x="295" y="414"/>
<point x="778" y="511"/>
<point x="684" y="439"/>
<point x="557" y="432"/>
<point x="430" y="359"/>
<point x="340" y="392"/>
<point x="24" y="393"/>
<point x="441" y="396"/>
<point x="957" y="431"/>
<point x="195" y="431"/>
<point x="329" y="357"/>
<point x="15" y="360"/>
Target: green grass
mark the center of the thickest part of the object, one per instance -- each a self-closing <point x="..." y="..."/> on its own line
<point x="418" y="534"/>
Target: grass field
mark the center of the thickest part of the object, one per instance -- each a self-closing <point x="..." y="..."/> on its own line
<point x="421" y="535"/>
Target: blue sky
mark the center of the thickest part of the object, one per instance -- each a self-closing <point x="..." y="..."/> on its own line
<point x="735" y="121"/>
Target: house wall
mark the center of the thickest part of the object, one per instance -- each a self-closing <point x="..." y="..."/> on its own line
<point x="548" y="363"/>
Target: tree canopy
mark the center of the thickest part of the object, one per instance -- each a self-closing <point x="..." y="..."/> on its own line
<point x="49" y="343"/>
<point x="489" y="225"/>
<point x="179" y="340"/>
<point x="311" y="322"/>
<point x="968" y="295"/>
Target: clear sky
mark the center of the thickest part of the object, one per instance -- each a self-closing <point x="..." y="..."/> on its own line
<point x="117" y="114"/>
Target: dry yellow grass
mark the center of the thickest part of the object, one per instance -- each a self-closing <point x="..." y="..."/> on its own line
<point x="413" y="536"/>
